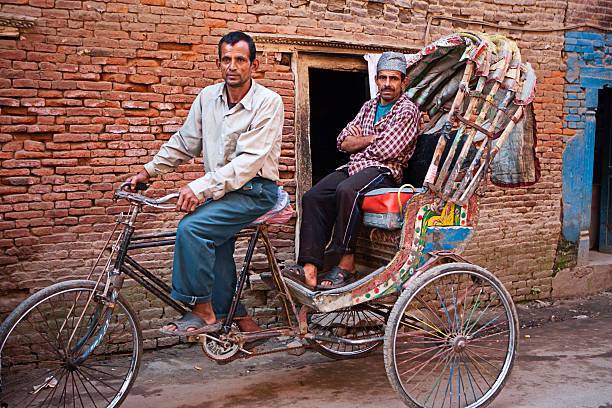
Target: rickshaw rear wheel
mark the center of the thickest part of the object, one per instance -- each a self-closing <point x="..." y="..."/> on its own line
<point x="358" y="322"/>
<point x="451" y="338"/>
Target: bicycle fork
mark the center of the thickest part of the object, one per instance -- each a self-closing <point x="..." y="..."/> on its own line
<point x="105" y="301"/>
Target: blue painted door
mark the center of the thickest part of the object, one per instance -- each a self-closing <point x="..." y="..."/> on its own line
<point x="604" y="130"/>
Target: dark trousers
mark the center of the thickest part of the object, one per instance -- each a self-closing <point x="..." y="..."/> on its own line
<point x="336" y="199"/>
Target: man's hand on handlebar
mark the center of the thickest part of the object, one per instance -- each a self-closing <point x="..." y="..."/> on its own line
<point x="142" y="177"/>
<point x="187" y="200"/>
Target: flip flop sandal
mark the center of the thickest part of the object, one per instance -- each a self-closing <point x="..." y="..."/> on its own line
<point x="188" y="321"/>
<point x="296" y="274"/>
<point x="338" y="278"/>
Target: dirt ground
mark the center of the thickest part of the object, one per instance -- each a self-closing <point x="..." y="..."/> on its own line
<point x="564" y="361"/>
<point x="538" y="313"/>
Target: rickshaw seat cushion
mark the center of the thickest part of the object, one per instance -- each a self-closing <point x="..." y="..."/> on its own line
<point x="280" y="213"/>
<point x="385" y="200"/>
<point x="381" y="207"/>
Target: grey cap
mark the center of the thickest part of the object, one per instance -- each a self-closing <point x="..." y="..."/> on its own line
<point x="392" y="61"/>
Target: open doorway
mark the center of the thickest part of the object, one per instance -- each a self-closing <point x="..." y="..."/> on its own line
<point x="330" y="90"/>
<point x="335" y="99"/>
<point x="601" y="205"/>
<point x="334" y="94"/>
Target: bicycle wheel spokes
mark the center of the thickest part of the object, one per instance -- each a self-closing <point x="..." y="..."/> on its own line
<point x="41" y="369"/>
<point x="357" y="322"/>
<point x="454" y="340"/>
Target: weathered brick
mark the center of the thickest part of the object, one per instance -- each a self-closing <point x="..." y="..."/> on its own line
<point x="103" y="84"/>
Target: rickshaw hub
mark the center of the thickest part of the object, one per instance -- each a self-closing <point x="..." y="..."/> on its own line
<point x="459" y="344"/>
<point x="71" y="364"/>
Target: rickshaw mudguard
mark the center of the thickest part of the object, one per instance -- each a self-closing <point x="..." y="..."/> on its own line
<point x="425" y="232"/>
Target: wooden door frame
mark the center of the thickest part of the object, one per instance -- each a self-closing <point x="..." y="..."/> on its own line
<point x="606" y="165"/>
<point x="301" y="62"/>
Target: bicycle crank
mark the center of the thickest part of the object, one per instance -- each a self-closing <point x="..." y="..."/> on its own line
<point x="217" y="349"/>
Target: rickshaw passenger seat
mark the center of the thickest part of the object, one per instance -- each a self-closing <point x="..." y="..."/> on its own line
<point x="380" y="207"/>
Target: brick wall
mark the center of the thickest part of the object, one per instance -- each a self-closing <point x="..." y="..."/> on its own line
<point x="93" y="89"/>
<point x="597" y="12"/>
<point x="583" y="49"/>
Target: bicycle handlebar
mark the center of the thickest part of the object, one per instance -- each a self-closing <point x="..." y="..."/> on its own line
<point x="120" y="192"/>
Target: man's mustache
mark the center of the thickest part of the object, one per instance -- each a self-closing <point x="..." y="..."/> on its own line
<point x="387" y="89"/>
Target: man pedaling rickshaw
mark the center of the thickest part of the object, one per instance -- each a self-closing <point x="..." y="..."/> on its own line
<point x="381" y="140"/>
<point x="236" y="126"/>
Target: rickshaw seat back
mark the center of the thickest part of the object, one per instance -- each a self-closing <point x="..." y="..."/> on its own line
<point x="414" y="173"/>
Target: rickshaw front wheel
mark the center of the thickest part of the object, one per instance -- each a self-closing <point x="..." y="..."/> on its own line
<point x="68" y="346"/>
<point x="451" y="338"/>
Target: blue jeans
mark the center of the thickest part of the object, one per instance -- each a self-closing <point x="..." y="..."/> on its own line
<point x="204" y="268"/>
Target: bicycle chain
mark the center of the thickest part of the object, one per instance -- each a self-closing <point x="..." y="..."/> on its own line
<point x="242" y="354"/>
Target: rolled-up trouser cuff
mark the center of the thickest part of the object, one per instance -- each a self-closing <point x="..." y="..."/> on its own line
<point x="240" y="312"/>
<point x="194" y="300"/>
<point x="189" y="300"/>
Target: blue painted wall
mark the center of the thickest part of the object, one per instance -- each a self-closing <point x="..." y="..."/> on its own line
<point x="589" y="68"/>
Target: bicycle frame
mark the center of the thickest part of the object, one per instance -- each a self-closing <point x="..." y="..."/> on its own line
<point x="124" y="264"/>
<point x="159" y="288"/>
<point x="121" y="264"/>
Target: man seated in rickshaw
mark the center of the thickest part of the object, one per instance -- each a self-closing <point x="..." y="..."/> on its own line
<point x="236" y="127"/>
<point x="381" y="139"/>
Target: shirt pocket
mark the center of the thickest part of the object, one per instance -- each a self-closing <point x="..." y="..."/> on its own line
<point x="230" y="142"/>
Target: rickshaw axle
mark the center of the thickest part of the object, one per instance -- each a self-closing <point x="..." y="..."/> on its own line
<point x="346" y="341"/>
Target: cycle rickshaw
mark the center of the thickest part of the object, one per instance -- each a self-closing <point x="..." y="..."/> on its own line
<point x="449" y="328"/>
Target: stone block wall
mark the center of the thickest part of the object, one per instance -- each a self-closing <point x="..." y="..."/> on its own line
<point x="92" y="90"/>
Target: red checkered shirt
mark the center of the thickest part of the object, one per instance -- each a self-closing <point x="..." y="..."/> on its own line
<point x="395" y="140"/>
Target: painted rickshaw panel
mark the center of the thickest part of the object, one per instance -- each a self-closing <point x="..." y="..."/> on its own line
<point x="493" y="91"/>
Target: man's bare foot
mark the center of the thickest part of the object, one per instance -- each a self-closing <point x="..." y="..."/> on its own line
<point x="203" y="310"/>
<point x="247" y="324"/>
<point x="310" y="274"/>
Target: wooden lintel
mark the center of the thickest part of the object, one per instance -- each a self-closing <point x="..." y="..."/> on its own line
<point x="278" y="43"/>
<point x="10" y="24"/>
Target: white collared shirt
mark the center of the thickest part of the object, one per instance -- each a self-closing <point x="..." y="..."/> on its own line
<point x="236" y="144"/>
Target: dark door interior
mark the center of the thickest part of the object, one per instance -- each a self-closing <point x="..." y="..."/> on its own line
<point x="602" y="171"/>
<point x="335" y="99"/>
